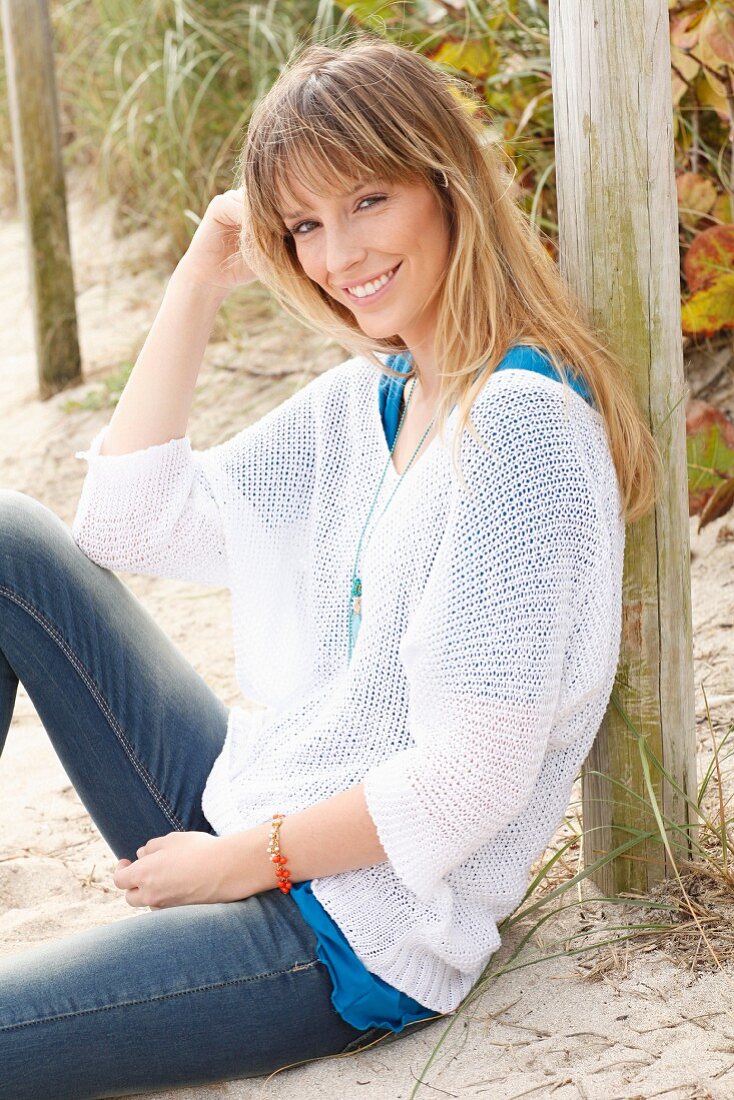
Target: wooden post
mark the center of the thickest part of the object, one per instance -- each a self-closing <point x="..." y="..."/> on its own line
<point x="41" y="190"/>
<point x="618" y="225"/>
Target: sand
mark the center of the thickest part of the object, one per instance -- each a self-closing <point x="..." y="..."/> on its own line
<point x="640" y="1026"/>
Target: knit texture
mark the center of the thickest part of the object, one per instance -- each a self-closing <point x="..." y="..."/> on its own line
<point x="491" y="620"/>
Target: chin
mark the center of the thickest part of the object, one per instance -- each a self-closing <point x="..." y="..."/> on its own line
<point x="378" y="328"/>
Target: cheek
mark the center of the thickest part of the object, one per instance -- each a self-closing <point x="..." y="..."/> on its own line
<point x="309" y="261"/>
<point x="441" y="250"/>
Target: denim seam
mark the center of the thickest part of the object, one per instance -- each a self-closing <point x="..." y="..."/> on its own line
<point x="152" y="1000"/>
<point x="99" y="698"/>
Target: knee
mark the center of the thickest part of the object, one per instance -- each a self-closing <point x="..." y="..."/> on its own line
<point x="23" y="518"/>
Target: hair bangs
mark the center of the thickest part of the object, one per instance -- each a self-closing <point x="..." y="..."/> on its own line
<point x="324" y="164"/>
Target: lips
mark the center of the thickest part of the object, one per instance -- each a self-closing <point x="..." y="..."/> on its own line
<point x="369" y="297"/>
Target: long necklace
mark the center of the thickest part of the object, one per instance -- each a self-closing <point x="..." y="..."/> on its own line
<point x="355" y="600"/>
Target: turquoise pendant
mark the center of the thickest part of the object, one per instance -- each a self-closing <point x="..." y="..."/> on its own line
<point x="355" y="612"/>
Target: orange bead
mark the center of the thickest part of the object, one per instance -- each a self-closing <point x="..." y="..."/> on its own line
<point x="282" y="874"/>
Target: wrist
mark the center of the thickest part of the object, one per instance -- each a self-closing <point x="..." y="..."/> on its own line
<point x="205" y="293"/>
<point x="248" y="869"/>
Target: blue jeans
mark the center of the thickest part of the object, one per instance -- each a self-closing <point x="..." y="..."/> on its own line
<point x="173" y="997"/>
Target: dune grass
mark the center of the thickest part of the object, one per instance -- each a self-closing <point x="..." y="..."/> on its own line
<point x="154" y="98"/>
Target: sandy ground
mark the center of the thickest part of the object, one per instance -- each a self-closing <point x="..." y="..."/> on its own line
<point x="643" y="1027"/>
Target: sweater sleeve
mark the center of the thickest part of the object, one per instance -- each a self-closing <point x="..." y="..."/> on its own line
<point x="153" y="512"/>
<point x="171" y="511"/>
<point x="484" y="649"/>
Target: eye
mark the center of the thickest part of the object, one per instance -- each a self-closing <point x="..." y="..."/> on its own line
<point x="302" y="228"/>
<point x="371" y="199"/>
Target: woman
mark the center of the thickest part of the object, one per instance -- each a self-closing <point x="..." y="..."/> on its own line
<point x="432" y="632"/>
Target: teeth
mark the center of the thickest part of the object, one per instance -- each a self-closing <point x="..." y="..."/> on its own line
<point x="371" y="288"/>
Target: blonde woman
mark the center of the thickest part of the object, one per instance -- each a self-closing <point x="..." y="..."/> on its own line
<point x="424" y="550"/>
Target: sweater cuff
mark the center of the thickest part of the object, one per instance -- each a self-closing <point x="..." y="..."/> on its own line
<point x="405" y="828"/>
<point x="132" y="462"/>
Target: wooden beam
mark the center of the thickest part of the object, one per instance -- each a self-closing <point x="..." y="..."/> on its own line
<point x="618" y="224"/>
<point x="29" y="60"/>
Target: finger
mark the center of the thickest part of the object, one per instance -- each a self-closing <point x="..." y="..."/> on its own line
<point x="234" y="205"/>
<point x="123" y="877"/>
<point x="132" y="897"/>
<point x="152" y="845"/>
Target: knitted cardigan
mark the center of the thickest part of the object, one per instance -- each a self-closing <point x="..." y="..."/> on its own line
<point x="491" y="622"/>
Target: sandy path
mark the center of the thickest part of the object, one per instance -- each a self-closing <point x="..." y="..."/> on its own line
<point x="643" y="1029"/>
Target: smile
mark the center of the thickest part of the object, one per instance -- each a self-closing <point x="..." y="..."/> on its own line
<point x="370" y="291"/>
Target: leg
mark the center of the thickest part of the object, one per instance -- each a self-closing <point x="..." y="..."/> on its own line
<point x="172" y="997"/>
<point x="134" y="725"/>
<point x="183" y="995"/>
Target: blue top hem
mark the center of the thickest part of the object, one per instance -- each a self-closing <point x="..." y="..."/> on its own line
<point x="359" y="996"/>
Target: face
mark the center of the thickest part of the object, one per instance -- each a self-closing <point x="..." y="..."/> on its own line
<point x="379" y="233"/>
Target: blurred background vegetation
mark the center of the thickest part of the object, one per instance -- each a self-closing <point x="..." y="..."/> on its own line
<point x="155" y="98"/>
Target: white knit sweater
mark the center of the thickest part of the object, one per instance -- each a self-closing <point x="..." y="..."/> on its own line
<point x="489" y="640"/>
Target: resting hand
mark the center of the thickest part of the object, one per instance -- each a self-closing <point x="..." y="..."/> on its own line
<point x="181" y="868"/>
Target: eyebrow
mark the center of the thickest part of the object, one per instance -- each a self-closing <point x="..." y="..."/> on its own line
<point x="300" y="213"/>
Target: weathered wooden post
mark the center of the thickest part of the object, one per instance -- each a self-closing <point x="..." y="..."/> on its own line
<point x="41" y="188"/>
<point x="619" y="250"/>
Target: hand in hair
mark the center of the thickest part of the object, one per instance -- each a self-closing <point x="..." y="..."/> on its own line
<point x="214" y="256"/>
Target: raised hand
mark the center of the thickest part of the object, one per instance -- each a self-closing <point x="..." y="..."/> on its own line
<point x="214" y="257"/>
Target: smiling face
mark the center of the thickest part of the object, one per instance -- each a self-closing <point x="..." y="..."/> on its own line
<point x="393" y="234"/>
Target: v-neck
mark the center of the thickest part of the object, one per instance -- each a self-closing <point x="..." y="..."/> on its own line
<point x="411" y="464"/>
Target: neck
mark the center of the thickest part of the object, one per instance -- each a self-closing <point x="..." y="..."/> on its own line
<point x="427" y="380"/>
<point x="426" y="394"/>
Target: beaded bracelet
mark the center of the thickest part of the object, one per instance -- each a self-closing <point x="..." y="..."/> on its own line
<point x="281" y="872"/>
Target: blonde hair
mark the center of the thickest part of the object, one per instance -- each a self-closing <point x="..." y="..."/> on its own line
<point x="371" y="108"/>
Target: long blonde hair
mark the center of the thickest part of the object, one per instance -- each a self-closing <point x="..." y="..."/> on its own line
<point x="371" y="108"/>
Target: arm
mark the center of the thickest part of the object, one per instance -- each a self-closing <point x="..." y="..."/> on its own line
<point x="143" y="489"/>
<point x="149" y="505"/>
<point x="171" y="511"/>
<point x="486" y="647"/>
<point x="185" y="868"/>
<point x="156" y="402"/>
<point x="335" y="835"/>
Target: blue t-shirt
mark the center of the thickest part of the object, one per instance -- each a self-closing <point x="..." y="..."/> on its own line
<point x="360" y="997"/>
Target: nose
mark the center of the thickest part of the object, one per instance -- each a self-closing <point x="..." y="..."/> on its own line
<point x="345" y="252"/>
